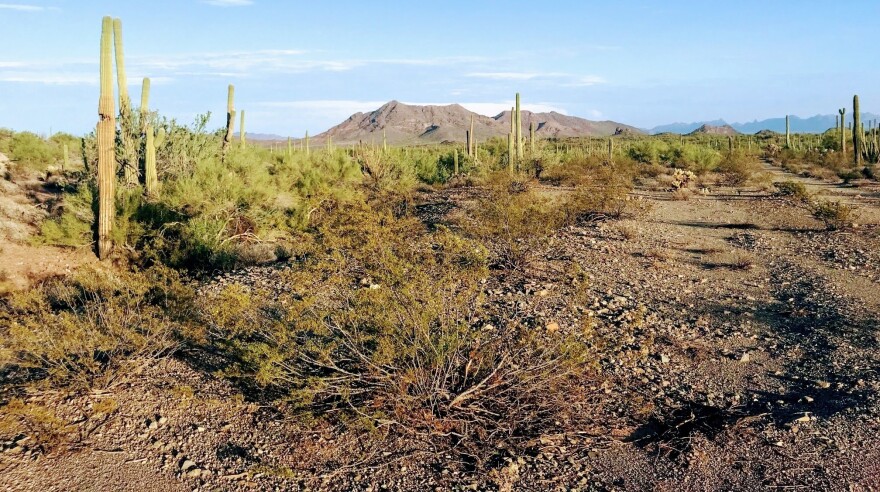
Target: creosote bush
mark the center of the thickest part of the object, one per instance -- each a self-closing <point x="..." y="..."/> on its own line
<point x="383" y="329"/>
<point x="93" y="327"/>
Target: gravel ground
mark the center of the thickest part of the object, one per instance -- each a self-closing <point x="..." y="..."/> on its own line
<point x="754" y="365"/>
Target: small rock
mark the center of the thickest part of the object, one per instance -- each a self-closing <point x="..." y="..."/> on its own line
<point x="664" y="358"/>
<point x="552" y="327"/>
<point x="823" y="384"/>
<point x="745" y="357"/>
<point x="187" y="464"/>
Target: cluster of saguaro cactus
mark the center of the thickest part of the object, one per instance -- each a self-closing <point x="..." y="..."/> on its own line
<point x="106" y="133"/>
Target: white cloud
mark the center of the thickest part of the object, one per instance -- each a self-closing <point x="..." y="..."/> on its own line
<point x="560" y="78"/>
<point x="49" y="78"/>
<point x="21" y="7"/>
<point x="228" y="3"/>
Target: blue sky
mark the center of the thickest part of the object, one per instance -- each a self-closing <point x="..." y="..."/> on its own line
<point x="301" y="66"/>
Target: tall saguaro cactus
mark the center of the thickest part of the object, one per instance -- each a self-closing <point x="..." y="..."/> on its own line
<point x="128" y="134"/>
<point x="151" y="176"/>
<point x="145" y="104"/>
<point x="307" y="142"/>
<point x="518" y="132"/>
<point x="842" y="112"/>
<point x="787" y="133"/>
<point x="230" y="117"/>
<point x="857" y="131"/>
<point x="532" y="137"/>
<point x="472" y="140"/>
<point x="106" y="132"/>
<point x="610" y="149"/>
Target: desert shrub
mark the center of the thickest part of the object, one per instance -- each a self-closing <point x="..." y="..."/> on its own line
<point x="834" y="214"/>
<point x="648" y="151"/>
<point x="696" y="158"/>
<point x="380" y="331"/>
<point x="738" y="168"/>
<point x="386" y="171"/>
<point x="792" y="190"/>
<point x="92" y="328"/>
<point x="513" y="221"/>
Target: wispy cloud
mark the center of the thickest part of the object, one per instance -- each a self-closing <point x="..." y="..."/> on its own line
<point x="558" y="78"/>
<point x="228" y="3"/>
<point x="21" y="7"/>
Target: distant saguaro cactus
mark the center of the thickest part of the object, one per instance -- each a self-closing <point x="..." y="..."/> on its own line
<point x="66" y="163"/>
<point x="106" y="132"/>
<point x="610" y="149"/>
<point x="241" y="136"/>
<point x="145" y="104"/>
<point x="787" y="133"/>
<point x="518" y="132"/>
<point x="857" y="131"/>
<point x="510" y="151"/>
<point x="532" y="137"/>
<point x="307" y="142"/>
<point x="455" y="162"/>
<point x="289" y="147"/>
<point x="230" y="117"/>
<point x="471" y="150"/>
<point x="842" y="112"/>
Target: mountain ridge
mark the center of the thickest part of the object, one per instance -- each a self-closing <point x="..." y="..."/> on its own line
<point x="414" y="124"/>
<point x="813" y="124"/>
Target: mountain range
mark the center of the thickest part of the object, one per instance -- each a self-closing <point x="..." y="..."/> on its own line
<point x="413" y="124"/>
<point x="814" y="124"/>
<point x="408" y="124"/>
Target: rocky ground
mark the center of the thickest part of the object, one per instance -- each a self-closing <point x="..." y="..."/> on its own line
<point x="754" y="365"/>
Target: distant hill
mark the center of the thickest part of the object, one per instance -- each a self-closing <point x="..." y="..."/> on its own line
<point x="714" y="130"/>
<point x="413" y="124"/>
<point x="814" y="124"/>
<point x="260" y="136"/>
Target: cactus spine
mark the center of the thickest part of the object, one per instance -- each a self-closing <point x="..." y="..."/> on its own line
<point x="106" y="132"/>
<point x="241" y="130"/>
<point x="857" y="131"/>
<point x="230" y="117"/>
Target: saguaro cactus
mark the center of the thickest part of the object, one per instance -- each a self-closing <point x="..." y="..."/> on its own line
<point x="230" y="117"/>
<point x="532" y="137"/>
<point x="472" y="140"/>
<point x="842" y="112"/>
<point x="455" y="161"/>
<point x="787" y="133"/>
<point x="145" y="104"/>
<point x="307" y="142"/>
<point x="289" y="147"/>
<point x="241" y="136"/>
<point x="128" y="134"/>
<point x="518" y="132"/>
<point x="151" y="176"/>
<point x="610" y="149"/>
<point x="510" y="152"/>
<point x="106" y="132"/>
<point x="66" y="163"/>
<point x="857" y="131"/>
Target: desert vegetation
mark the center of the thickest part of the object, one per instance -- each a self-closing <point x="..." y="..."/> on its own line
<point x="453" y="308"/>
